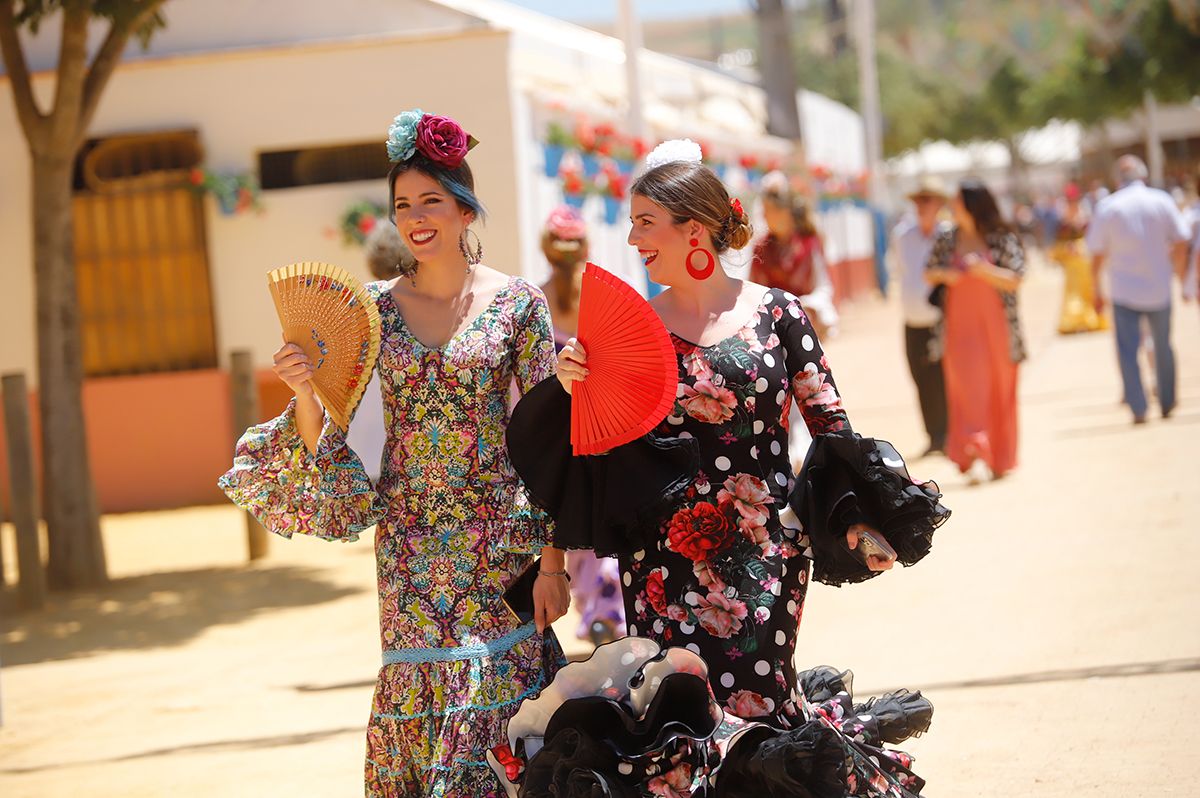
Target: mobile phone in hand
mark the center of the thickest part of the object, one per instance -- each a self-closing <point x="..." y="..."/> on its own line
<point x="873" y="544"/>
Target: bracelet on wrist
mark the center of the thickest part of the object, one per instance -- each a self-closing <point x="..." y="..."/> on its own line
<point x="563" y="574"/>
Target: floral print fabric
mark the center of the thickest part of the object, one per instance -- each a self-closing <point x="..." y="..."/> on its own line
<point x="1005" y="251"/>
<point x="454" y="527"/>
<point x="726" y="579"/>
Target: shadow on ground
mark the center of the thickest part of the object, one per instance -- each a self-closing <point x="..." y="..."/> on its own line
<point x="251" y="744"/>
<point x="161" y="609"/>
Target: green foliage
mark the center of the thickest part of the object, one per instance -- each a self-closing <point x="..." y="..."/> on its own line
<point x="32" y="12"/>
<point x="968" y="69"/>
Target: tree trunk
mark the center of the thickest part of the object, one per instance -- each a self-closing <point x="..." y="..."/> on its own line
<point x="73" y="521"/>
<point x="835" y="19"/>
<point x="778" y="69"/>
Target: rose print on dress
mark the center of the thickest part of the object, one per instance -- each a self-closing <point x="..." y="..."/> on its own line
<point x="708" y="402"/>
<point x="656" y="596"/>
<point x="699" y="531"/>
<point x="747" y="704"/>
<point x="720" y="615"/>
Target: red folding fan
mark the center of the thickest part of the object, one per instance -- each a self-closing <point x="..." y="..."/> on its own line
<point x="632" y="374"/>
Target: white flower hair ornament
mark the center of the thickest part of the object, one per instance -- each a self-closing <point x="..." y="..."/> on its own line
<point x="674" y="150"/>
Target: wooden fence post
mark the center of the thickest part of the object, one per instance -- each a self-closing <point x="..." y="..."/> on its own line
<point x="23" y="496"/>
<point x="245" y="415"/>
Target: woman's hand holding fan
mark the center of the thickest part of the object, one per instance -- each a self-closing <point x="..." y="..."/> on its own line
<point x="572" y="363"/>
<point x="294" y="369"/>
<point x="621" y="372"/>
<point x="332" y="328"/>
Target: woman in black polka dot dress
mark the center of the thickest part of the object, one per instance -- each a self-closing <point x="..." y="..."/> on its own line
<point x="725" y="578"/>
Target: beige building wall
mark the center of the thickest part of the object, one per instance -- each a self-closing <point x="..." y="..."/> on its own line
<point x="282" y="98"/>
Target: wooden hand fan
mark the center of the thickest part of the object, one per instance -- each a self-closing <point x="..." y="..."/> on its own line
<point x="632" y="373"/>
<point x="329" y="315"/>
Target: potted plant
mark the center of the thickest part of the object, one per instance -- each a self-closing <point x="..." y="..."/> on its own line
<point x="359" y="219"/>
<point x="616" y="188"/>
<point x="558" y="141"/>
<point x="235" y="193"/>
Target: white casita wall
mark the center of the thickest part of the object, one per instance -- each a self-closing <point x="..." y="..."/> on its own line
<point x="245" y="101"/>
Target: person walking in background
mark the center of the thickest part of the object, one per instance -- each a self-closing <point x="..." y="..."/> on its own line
<point x="912" y="241"/>
<point x="1097" y="192"/>
<point x="565" y="245"/>
<point x="595" y="581"/>
<point x="1079" y="290"/>
<point x="980" y="261"/>
<point x="791" y="256"/>
<point x="1140" y="236"/>
<point x="1191" y="277"/>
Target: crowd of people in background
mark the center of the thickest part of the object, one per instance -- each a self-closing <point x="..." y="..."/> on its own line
<point x="959" y="263"/>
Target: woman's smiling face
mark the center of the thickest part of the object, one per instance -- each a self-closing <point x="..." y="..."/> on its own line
<point x="662" y="244"/>
<point x="428" y="217"/>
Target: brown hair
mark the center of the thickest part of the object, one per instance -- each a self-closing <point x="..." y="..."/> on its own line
<point x="799" y="207"/>
<point x="689" y="191"/>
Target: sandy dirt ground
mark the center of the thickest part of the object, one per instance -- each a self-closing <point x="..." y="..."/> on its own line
<point x="1055" y="625"/>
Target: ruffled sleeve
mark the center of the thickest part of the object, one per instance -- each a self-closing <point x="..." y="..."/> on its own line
<point x="848" y="479"/>
<point x="526" y="527"/>
<point x="290" y="490"/>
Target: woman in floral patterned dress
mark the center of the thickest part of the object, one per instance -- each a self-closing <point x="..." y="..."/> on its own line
<point x="454" y="522"/>
<point x="727" y="576"/>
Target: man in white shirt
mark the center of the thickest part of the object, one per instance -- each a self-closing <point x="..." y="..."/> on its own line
<point x="1140" y="236"/>
<point x="912" y="239"/>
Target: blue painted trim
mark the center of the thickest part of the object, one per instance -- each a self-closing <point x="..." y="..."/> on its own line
<point x="473" y="651"/>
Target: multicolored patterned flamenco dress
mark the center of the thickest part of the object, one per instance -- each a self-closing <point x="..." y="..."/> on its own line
<point x="454" y="528"/>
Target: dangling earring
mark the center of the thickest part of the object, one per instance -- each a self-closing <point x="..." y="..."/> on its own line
<point x="709" y="267"/>
<point x="472" y="257"/>
<point x="411" y="274"/>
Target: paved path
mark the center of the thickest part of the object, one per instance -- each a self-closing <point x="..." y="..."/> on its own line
<point x="1054" y="626"/>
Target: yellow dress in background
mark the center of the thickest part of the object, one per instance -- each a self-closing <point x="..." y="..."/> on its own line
<point x="1078" y="307"/>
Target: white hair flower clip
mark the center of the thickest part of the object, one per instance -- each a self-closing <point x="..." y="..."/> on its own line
<point x="674" y="150"/>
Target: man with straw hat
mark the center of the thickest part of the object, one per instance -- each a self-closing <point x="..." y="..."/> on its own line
<point x="912" y="240"/>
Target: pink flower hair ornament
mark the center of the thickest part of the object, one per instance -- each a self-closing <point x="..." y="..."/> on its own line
<point x="438" y="138"/>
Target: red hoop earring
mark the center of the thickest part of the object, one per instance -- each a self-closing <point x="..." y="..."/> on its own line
<point x="709" y="267"/>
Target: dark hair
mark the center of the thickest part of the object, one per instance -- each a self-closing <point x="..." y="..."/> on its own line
<point x="798" y="205"/>
<point x="980" y="203"/>
<point x="690" y="190"/>
<point x="459" y="182"/>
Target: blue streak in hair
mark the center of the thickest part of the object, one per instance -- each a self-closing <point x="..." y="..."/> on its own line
<point x="463" y="195"/>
